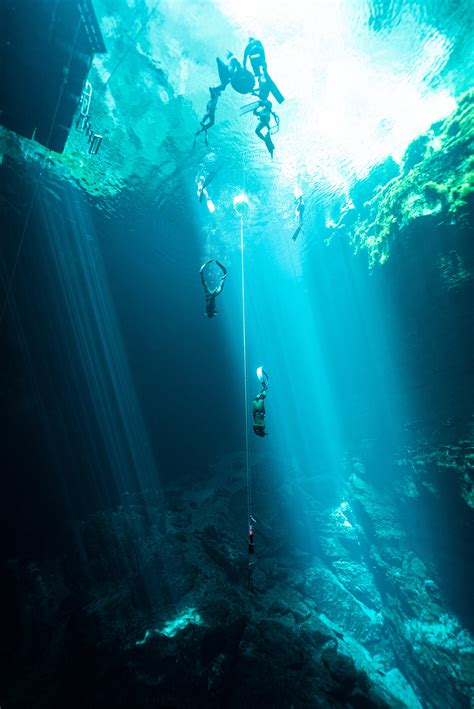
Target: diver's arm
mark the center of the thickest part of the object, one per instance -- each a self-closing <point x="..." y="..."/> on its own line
<point x="223" y="269"/>
<point x="201" y="273"/>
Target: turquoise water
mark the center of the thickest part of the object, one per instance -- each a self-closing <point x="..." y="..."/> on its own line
<point x="129" y="455"/>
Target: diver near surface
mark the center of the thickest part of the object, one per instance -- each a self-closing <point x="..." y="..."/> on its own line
<point x="259" y="84"/>
<point x="227" y="69"/>
<point x="232" y="72"/>
<point x="258" y="405"/>
<point x="256" y="53"/>
<point x="211" y="294"/>
<point x="264" y="113"/>
<point x="209" y="117"/>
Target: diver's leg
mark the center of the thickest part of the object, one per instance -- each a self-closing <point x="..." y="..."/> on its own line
<point x="203" y="125"/>
<point x="205" y="120"/>
<point x="269" y="143"/>
<point x="256" y="64"/>
<point x="224" y="74"/>
<point x="258" y="130"/>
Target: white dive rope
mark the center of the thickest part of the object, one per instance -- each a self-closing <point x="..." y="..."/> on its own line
<point x="244" y="352"/>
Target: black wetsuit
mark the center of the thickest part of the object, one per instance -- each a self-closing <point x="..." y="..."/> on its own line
<point x="209" y="117"/>
<point x="256" y="53"/>
<point x="264" y="113"/>
<point x="258" y="411"/>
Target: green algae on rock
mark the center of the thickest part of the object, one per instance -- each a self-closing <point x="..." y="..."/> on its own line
<point x="437" y="178"/>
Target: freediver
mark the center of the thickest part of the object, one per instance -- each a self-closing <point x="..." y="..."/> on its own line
<point x="233" y="64"/>
<point x="202" y="192"/>
<point x="209" y="117"/>
<point x="258" y="405"/>
<point x="264" y="113"/>
<point x="232" y="72"/>
<point x="299" y="212"/>
<point x="211" y="294"/>
<point x="256" y="53"/>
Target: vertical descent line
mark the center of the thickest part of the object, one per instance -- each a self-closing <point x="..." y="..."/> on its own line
<point x="244" y="351"/>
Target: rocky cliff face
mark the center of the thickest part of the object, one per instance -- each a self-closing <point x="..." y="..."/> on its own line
<point x="353" y="604"/>
<point x="433" y="189"/>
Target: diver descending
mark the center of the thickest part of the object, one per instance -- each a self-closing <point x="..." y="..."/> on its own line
<point x="202" y="192"/>
<point x="258" y="405"/>
<point x="299" y="212"/>
<point x="264" y="113"/>
<point x="209" y="117"/>
<point x="211" y="294"/>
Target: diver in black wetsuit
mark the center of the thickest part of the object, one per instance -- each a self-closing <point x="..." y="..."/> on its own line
<point x="211" y="294"/>
<point x="258" y="405"/>
<point x="264" y="113"/>
<point x="202" y="183"/>
<point x="299" y="214"/>
<point x="256" y="53"/>
<point x="209" y="117"/>
<point x="231" y="72"/>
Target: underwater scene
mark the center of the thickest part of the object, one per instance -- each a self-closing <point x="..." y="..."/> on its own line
<point x="237" y="354"/>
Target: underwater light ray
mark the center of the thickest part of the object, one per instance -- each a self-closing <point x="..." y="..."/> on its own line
<point x="282" y="334"/>
<point x="70" y="278"/>
<point x="99" y="347"/>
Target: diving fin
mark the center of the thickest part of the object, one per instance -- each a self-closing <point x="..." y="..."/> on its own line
<point x="274" y="89"/>
<point x="297" y="233"/>
<point x="262" y="377"/>
<point x="269" y="144"/>
<point x="224" y="73"/>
